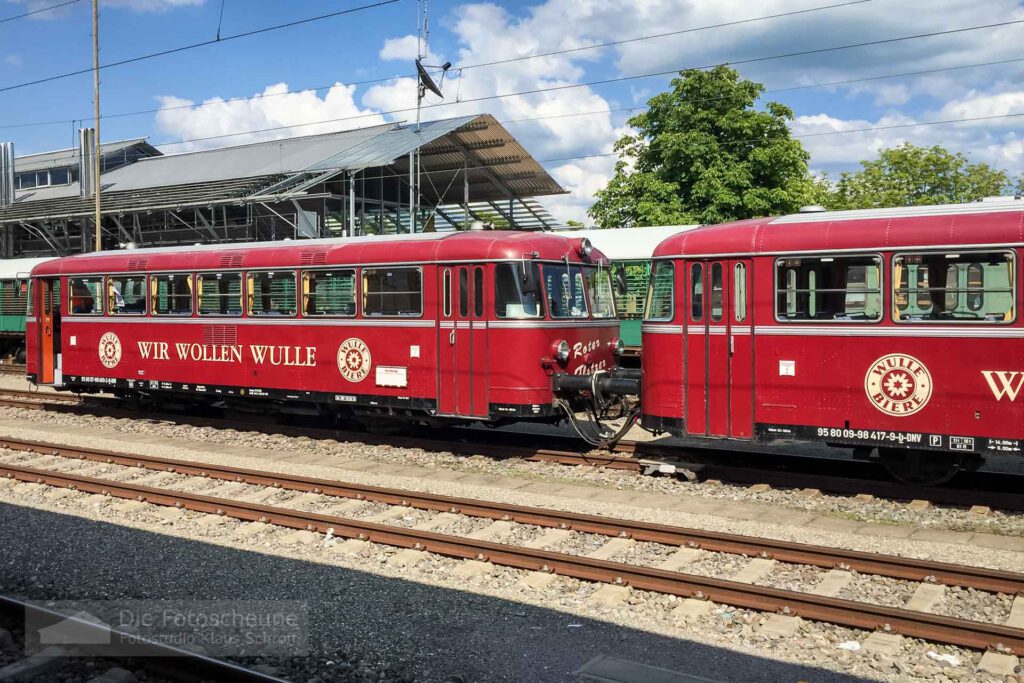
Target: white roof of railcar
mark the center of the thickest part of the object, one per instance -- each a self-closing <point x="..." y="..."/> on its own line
<point x="627" y="244"/>
<point x="13" y="268"/>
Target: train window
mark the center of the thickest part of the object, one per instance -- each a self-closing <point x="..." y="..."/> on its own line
<point x="392" y="291"/>
<point x="564" y="290"/>
<point x="86" y="295"/>
<point x="739" y="292"/>
<point x="717" y="293"/>
<point x="602" y="298"/>
<point x="12" y="297"/>
<point x="329" y="292"/>
<point x="446" y="293"/>
<point x="271" y="293"/>
<point x="512" y="298"/>
<point x="478" y="292"/>
<point x="464" y="292"/>
<point x="171" y="294"/>
<point x="219" y="293"/>
<point x="661" y="292"/>
<point x="697" y="292"/>
<point x="962" y="287"/>
<point x="837" y="289"/>
<point x="126" y="294"/>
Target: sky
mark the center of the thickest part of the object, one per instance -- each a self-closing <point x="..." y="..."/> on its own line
<point x="351" y="70"/>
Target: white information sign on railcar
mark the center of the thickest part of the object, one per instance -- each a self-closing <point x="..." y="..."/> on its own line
<point x="388" y="376"/>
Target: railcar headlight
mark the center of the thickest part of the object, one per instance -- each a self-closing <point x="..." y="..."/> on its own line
<point x="562" y="351"/>
<point x="618" y="346"/>
<point x="586" y="248"/>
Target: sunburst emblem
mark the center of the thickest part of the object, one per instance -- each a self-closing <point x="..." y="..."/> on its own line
<point x="354" y="359"/>
<point x="898" y="384"/>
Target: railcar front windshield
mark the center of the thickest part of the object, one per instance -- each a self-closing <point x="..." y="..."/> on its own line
<point x="565" y="290"/>
<point x="511" y="298"/>
<point x="599" y="287"/>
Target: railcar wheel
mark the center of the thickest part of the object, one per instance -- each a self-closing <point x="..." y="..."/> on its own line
<point x="924" y="468"/>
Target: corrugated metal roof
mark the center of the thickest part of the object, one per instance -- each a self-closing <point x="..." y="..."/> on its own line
<point x="499" y="167"/>
<point x="67" y="157"/>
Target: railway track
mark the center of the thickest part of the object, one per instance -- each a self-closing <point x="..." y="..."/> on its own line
<point x="162" y="660"/>
<point x="56" y="465"/>
<point x="778" y="470"/>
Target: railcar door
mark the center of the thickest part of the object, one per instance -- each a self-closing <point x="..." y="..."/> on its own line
<point x="716" y="331"/>
<point x="48" y="305"/>
<point x="446" y="342"/>
<point x="741" y="351"/>
<point x="719" y="349"/>
<point x="463" y="344"/>
<point x="695" y="325"/>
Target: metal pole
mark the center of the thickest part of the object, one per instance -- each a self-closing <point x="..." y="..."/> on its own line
<point x="465" y="189"/>
<point x="352" y="204"/>
<point x="96" y="101"/>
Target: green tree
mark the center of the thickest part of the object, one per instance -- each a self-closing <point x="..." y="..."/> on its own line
<point x="702" y="153"/>
<point x="913" y="176"/>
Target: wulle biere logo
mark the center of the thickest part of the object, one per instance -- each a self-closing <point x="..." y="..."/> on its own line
<point x="898" y="384"/>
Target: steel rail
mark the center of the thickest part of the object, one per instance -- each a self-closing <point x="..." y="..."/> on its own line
<point x="843" y="477"/>
<point x="784" y="551"/>
<point x="850" y="613"/>
<point x="191" y="664"/>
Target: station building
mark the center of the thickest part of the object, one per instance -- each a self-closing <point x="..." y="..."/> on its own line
<point x="349" y="183"/>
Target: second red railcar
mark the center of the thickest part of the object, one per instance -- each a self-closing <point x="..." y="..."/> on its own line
<point x="893" y="331"/>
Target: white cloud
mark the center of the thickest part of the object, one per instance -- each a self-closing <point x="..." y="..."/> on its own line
<point x="405" y="48"/>
<point x="485" y="32"/>
<point x="582" y="178"/>
<point x="12" y="60"/>
<point x="273" y="108"/>
<point x="996" y="142"/>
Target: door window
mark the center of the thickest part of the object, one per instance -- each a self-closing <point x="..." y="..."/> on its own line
<point x="696" y="292"/>
<point x="464" y="292"/>
<point x="446" y="292"/>
<point x="717" y="295"/>
<point x="739" y="293"/>
<point x="478" y="292"/>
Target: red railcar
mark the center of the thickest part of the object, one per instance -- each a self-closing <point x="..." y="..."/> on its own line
<point x="435" y="326"/>
<point x="894" y="331"/>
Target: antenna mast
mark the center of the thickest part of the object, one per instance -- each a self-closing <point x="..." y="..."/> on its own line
<point x="414" y="156"/>
<point x="96" y="102"/>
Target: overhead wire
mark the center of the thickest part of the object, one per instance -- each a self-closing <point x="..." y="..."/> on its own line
<point x="4" y="20"/>
<point x="605" y="81"/>
<point x="384" y="79"/>
<point x="204" y="43"/>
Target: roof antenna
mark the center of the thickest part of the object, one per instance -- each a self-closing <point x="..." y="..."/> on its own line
<point x="424" y="82"/>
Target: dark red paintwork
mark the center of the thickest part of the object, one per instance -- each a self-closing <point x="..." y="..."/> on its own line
<point x="731" y="378"/>
<point x="466" y="366"/>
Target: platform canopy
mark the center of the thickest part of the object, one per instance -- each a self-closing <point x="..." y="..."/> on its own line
<point x="472" y="155"/>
